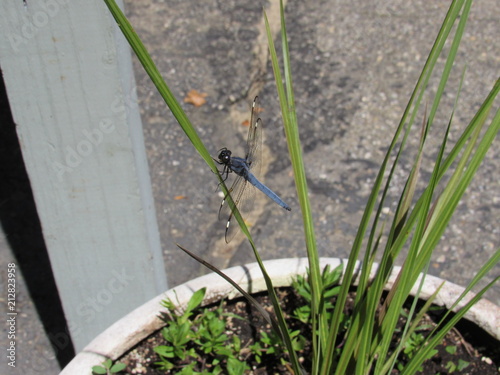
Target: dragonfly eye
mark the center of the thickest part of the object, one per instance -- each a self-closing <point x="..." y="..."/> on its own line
<point x="225" y="156"/>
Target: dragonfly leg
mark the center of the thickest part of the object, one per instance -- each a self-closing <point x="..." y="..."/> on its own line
<point x="224" y="174"/>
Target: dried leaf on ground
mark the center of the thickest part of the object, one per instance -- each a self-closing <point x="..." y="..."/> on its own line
<point x="195" y="98"/>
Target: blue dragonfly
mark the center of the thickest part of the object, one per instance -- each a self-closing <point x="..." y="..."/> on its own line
<point x="246" y="169"/>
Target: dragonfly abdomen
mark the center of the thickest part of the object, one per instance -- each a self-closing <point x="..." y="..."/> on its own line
<point x="271" y="194"/>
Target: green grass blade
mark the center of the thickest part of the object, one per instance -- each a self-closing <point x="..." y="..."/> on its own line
<point x="267" y="317"/>
<point x="464" y="173"/>
<point x="295" y="149"/>
<point x="181" y="117"/>
<point x="480" y="116"/>
<point x="490" y="263"/>
<point x="151" y="69"/>
<point x="414" y="364"/>
<point x="410" y="115"/>
<point x="176" y="109"/>
<point x="293" y="144"/>
<point x="292" y="134"/>
<point x="389" y="315"/>
<point x="410" y="327"/>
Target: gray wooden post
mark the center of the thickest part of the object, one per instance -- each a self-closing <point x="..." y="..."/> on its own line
<point x="71" y="88"/>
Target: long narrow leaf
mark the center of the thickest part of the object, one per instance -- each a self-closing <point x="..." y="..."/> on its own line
<point x="162" y="87"/>
<point x="270" y="320"/>
<point x="291" y="130"/>
<point x="187" y="127"/>
<point x="414" y="364"/>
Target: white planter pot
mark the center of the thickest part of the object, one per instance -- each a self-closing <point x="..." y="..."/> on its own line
<point x="143" y="321"/>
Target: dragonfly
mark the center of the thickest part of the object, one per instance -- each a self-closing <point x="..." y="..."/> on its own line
<point x="247" y="169"/>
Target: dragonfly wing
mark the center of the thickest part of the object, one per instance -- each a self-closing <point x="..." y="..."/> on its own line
<point x="224" y="208"/>
<point x="254" y="140"/>
<point x="240" y="191"/>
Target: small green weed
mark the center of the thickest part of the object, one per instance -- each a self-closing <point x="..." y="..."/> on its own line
<point x="451" y="366"/>
<point x="108" y="368"/>
<point x="331" y="286"/>
<point x="411" y="347"/>
<point x="199" y="341"/>
<point x="199" y="336"/>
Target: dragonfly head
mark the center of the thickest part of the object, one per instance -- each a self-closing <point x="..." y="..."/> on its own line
<point x="224" y="156"/>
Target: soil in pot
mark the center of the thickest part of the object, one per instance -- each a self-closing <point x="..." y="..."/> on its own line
<point x="465" y="350"/>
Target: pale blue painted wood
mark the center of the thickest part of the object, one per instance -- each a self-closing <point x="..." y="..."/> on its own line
<point x="71" y="88"/>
